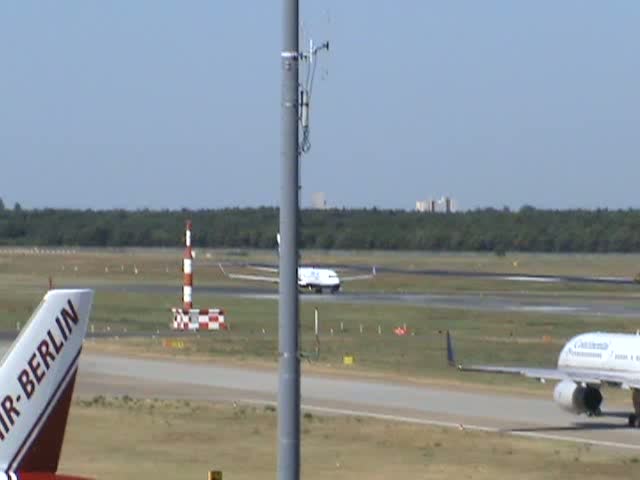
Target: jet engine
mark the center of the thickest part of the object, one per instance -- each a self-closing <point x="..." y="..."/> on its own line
<point x="576" y="398"/>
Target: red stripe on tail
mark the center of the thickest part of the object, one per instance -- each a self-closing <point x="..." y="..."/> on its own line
<point x="44" y="453"/>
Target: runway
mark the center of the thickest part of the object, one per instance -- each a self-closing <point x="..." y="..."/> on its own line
<point x="517" y="415"/>
<point x="430" y="272"/>
<point x="621" y="307"/>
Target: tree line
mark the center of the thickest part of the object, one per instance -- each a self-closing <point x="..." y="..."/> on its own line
<point x="494" y="230"/>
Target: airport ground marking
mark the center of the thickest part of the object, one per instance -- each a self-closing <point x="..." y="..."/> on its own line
<point x="445" y="424"/>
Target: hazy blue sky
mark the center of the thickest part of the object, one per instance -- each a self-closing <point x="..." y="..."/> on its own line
<point x="166" y="104"/>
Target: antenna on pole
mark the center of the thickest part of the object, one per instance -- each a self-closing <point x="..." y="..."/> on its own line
<point x="309" y="63"/>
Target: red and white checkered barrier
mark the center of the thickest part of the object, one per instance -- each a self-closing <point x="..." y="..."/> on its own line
<point x="194" y="319"/>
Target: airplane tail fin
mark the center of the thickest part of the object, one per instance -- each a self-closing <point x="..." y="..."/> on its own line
<point x="224" y="272"/>
<point x="451" y="354"/>
<point x="37" y="376"/>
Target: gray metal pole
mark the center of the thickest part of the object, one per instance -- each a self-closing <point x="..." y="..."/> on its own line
<point x="289" y="362"/>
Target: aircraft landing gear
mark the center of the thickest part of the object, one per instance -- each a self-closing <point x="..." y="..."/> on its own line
<point x="595" y="413"/>
<point x="634" y="418"/>
<point x="634" y="421"/>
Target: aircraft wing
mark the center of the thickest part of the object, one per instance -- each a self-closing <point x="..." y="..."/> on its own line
<point x="588" y="376"/>
<point x="264" y="269"/>
<point x="359" y="277"/>
<point x="257" y="278"/>
<point x="537" y="373"/>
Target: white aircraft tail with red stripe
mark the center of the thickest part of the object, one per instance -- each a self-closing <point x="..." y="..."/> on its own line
<point x="37" y="376"/>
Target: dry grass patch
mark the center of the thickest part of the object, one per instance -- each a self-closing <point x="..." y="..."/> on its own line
<point x="128" y="438"/>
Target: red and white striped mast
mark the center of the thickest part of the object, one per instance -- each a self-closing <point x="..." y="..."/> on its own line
<point x="188" y="318"/>
<point x="187" y="269"/>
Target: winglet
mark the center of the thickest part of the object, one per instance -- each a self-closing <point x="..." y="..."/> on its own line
<point x="373" y="271"/>
<point x="222" y="270"/>
<point x="451" y="355"/>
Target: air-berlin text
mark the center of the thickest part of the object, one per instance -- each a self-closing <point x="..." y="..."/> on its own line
<point x="38" y="364"/>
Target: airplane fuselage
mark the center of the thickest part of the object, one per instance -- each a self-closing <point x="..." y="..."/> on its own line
<point x="615" y="355"/>
<point x="586" y="363"/>
<point x="318" y="279"/>
<point x="614" y="352"/>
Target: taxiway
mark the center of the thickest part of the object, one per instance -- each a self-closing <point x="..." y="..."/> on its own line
<point x="422" y="404"/>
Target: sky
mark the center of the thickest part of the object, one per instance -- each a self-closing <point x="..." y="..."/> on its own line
<point x="173" y="104"/>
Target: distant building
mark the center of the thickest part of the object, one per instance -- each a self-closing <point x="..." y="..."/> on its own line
<point x="318" y="201"/>
<point x="443" y="205"/>
<point x="424" y="206"/>
<point x="449" y="205"/>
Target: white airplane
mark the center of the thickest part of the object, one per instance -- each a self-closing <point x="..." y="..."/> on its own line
<point x="37" y="376"/>
<point x="586" y="363"/>
<point x="309" y="278"/>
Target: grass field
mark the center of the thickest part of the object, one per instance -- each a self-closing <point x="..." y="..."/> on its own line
<point x="168" y="439"/>
<point x="487" y="337"/>
<point x="178" y="439"/>
<point x="492" y="337"/>
<point x="160" y="266"/>
<point x="479" y="337"/>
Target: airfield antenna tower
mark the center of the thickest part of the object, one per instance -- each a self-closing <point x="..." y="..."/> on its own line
<point x="288" y="309"/>
<point x="306" y="89"/>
